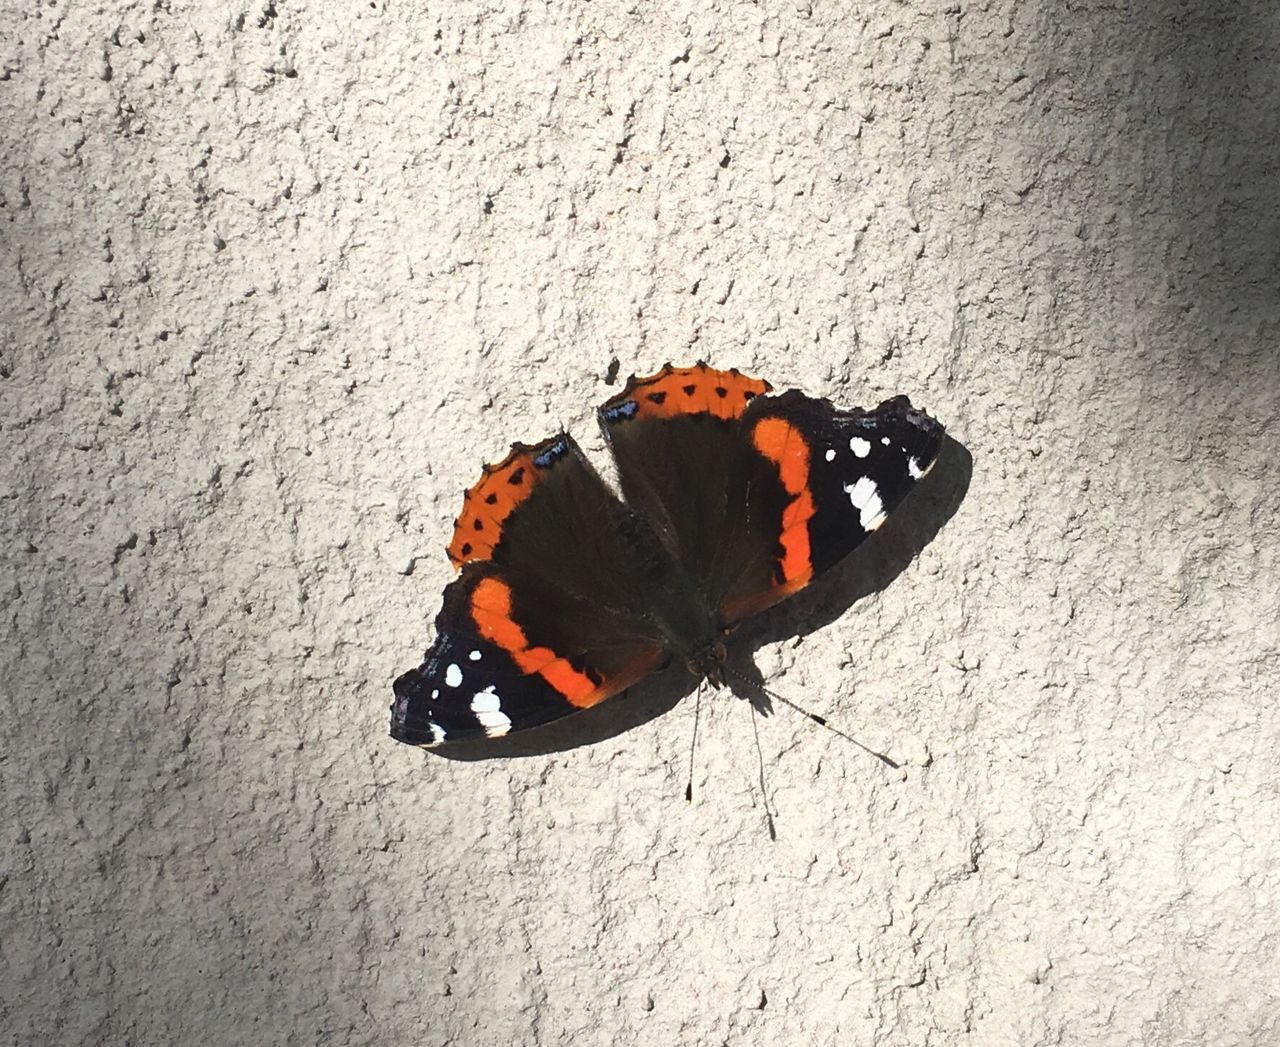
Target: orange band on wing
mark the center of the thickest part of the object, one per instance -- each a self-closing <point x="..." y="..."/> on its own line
<point x="491" y="609"/>
<point x="677" y="391"/>
<point x="785" y="446"/>
<point x="501" y="487"/>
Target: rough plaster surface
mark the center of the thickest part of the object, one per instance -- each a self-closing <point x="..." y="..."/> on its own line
<point x="276" y="278"/>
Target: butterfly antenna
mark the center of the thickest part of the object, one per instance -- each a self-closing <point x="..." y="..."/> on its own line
<point x="820" y="721"/>
<point x="764" y="789"/>
<point x="693" y="742"/>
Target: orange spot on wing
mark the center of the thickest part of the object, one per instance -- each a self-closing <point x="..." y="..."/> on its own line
<point x="491" y="610"/>
<point x="785" y="446"/>
<point x="700" y="389"/>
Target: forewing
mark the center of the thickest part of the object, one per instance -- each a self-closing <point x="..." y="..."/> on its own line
<point x="490" y="672"/>
<point x="843" y="472"/>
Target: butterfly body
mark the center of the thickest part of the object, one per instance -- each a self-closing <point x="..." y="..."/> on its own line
<point x="732" y="500"/>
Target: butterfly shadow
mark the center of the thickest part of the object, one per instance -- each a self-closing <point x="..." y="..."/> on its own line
<point x="869" y="569"/>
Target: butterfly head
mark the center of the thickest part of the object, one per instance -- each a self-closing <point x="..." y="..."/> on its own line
<point x="708" y="663"/>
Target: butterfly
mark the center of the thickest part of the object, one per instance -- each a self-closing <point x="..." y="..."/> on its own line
<point x="732" y="499"/>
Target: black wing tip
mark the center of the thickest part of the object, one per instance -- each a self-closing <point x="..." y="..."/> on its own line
<point x="407" y="726"/>
<point x="902" y="407"/>
<point x="412" y="731"/>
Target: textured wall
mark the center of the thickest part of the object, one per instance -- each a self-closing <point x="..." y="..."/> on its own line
<point x="275" y="279"/>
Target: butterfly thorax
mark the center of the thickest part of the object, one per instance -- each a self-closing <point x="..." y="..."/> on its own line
<point x="689" y="626"/>
<point x="692" y="635"/>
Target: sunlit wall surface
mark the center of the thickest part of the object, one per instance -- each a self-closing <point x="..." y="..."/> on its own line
<point x="277" y="278"/>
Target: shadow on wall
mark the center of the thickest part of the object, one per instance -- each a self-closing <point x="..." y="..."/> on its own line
<point x="869" y="569"/>
<point x="1212" y="176"/>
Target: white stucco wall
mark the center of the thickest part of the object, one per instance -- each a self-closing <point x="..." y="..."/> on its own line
<point x="276" y="279"/>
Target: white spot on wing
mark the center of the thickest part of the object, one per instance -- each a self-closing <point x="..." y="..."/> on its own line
<point x="830" y="455"/>
<point x="437" y="734"/>
<point x="474" y="656"/>
<point x="884" y="440"/>
<point x="435" y="694"/>
<point x="859" y="446"/>
<point x="486" y="701"/>
<point x="913" y="467"/>
<point x="865" y="496"/>
<point x="453" y="675"/>
<point x="488" y="709"/>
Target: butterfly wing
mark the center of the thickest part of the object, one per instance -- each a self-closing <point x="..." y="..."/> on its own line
<point x="547" y="616"/>
<point x="495" y="668"/>
<point x="685" y="467"/>
<point x="843" y="472"/>
<point x="755" y="495"/>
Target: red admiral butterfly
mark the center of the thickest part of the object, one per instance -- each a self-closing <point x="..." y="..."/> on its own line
<point x="731" y="501"/>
